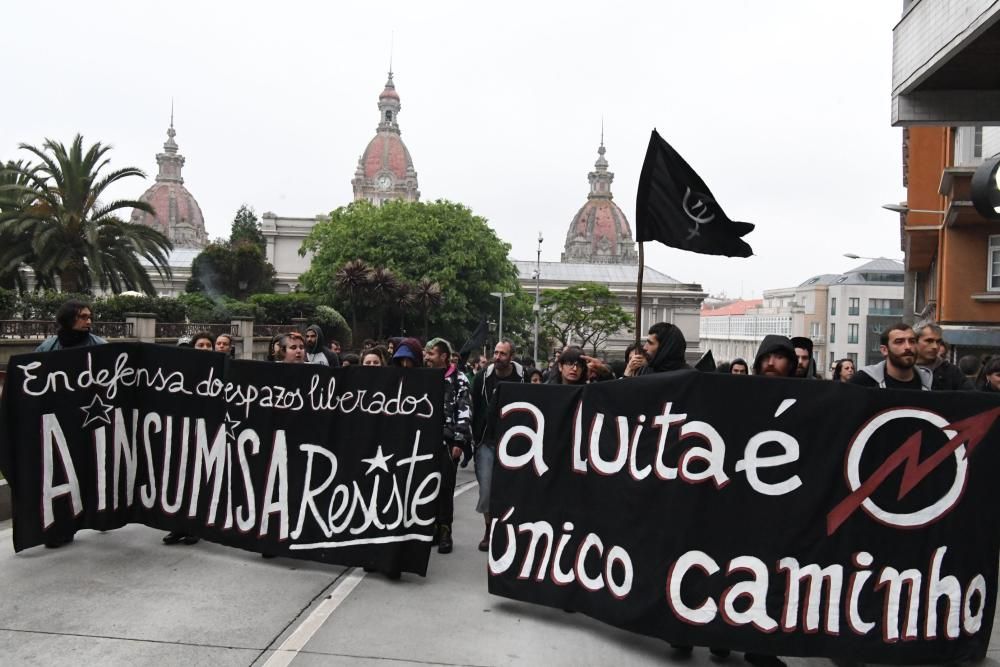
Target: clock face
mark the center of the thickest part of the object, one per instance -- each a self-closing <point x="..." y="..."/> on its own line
<point x="383" y="182"/>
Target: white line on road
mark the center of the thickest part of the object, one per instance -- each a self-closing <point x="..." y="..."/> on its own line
<point x="284" y="654"/>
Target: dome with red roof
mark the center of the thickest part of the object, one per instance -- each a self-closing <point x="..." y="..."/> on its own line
<point x="385" y="170"/>
<point x="177" y="214"/>
<point x="600" y="232"/>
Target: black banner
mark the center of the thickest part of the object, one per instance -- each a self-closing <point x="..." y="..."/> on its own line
<point x="778" y="516"/>
<point x="295" y="460"/>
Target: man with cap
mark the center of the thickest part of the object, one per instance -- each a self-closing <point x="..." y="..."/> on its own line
<point x="457" y="434"/>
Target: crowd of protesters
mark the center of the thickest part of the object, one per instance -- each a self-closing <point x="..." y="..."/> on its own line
<point x="914" y="357"/>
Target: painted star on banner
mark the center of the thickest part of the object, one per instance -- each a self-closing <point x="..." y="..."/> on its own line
<point x="231" y="425"/>
<point x="378" y="461"/>
<point x="97" y="411"/>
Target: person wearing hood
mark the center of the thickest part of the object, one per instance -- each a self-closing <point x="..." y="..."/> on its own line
<point x="316" y="349"/>
<point x="898" y="370"/>
<point x="409" y="353"/>
<point x="805" y="365"/>
<point x="664" y="348"/>
<point x="74" y="319"/>
<point x="775" y="357"/>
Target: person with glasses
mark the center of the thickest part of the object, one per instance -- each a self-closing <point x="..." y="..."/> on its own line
<point x="74" y="319"/>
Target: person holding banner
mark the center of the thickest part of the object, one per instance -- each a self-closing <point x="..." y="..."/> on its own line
<point x="503" y="369"/>
<point x="775" y="357"/>
<point x="291" y="348"/>
<point x="74" y="319"/>
<point x="457" y="435"/>
<point x="898" y="370"/>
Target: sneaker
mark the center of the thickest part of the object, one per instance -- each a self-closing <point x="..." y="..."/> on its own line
<point x="761" y="660"/>
<point x="444" y="543"/>
<point x="484" y="544"/>
<point x="173" y="537"/>
<point x="719" y="652"/>
<point x="191" y="539"/>
<point x="682" y="649"/>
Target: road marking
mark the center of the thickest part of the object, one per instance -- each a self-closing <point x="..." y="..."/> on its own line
<point x="290" y="648"/>
<point x="296" y="641"/>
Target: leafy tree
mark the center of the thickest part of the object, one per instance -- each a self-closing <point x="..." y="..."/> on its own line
<point x="586" y="314"/>
<point x="76" y="237"/>
<point x="113" y="308"/>
<point x="246" y="228"/>
<point x="443" y="242"/>
<point x="283" y="308"/>
<point x="334" y="325"/>
<point x="235" y="268"/>
<point x="8" y="303"/>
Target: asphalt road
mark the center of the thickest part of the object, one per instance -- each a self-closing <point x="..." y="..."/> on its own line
<point x="123" y="598"/>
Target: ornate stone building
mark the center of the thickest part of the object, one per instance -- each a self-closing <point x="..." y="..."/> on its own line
<point x="178" y="215"/>
<point x="385" y="170"/>
<point x="600" y="249"/>
<point x="600" y="233"/>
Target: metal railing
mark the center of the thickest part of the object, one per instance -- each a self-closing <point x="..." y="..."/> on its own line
<point x="268" y="330"/>
<point x="39" y="329"/>
<point x="178" y="329"/>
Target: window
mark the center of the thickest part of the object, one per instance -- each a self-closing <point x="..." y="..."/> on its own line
<point x="890" y="307"/>
<point x="833" y="306"/>
<point x="814" y="330"/>
<point x="977" y="142"/>
<point x="833" y="360"/>
<point x="853" y="356"/>
<point x="994" y="272"/>
<point x="833" y="332"/>
<point x="854" y="306"/>
<point x="852" y="333"/>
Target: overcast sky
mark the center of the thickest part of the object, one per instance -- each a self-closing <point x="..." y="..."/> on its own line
<point x="782" y="107"/>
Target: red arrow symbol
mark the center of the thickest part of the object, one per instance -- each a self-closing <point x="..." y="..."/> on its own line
<point x="969" y="431"/>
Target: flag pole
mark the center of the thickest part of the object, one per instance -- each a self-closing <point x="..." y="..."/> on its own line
<point x="638" y="297"/>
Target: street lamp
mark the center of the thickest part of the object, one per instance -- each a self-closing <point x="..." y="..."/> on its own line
<point x="501" y="295"/>
<point x="538" y="276"/>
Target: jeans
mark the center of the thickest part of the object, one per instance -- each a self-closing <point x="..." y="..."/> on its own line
<point x="485" y="455"/>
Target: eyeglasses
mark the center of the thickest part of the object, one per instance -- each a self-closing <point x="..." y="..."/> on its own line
<point x="81" y="316"/>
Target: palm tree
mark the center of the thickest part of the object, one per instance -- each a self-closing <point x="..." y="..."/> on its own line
<point x="427" y="295"/>
<point x="404" y="299"/>
<point x="353" y="279"/>
<point x="381" y="289"/>
<point x="74" y="236"/>
<point x="15" y="246"/>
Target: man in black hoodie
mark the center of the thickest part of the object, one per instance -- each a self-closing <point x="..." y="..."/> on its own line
<point x="664" y="348"/>
<point x="775" y="357"/>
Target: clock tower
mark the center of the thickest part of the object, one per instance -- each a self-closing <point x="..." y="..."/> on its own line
<point x="385" y="170"/>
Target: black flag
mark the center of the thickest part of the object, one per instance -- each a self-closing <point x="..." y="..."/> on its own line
<point x="477" y="338"/>
<point x="676" y="208"/>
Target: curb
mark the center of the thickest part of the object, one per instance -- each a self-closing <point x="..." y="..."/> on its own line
<point x="5" y="506"/>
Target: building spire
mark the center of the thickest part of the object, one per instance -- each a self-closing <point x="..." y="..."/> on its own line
<point x="172" y="116"/>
